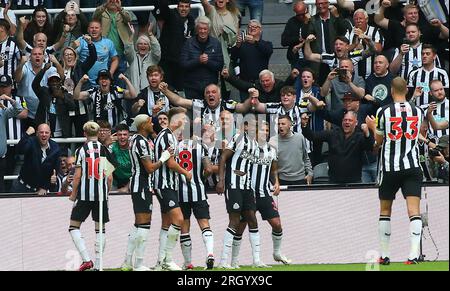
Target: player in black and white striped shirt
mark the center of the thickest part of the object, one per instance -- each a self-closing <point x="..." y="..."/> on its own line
<point x="419" y="79"/>
<point x="88" y="184"/>
<point x="397" y="128"/>
<point x="265" y="168"/>
<point x="193" y="157"/>
<point x="141" y="187"/>
<point x="235" y="172"/>
<point x="9" y="51"/>
<point x="107" y="98"/>
<point x="166" y="184"/>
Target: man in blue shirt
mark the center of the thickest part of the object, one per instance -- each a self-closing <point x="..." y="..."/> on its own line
<point x="106" y="52"/>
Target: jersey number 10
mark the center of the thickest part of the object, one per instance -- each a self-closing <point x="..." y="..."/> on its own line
<point x="93" y="168"/>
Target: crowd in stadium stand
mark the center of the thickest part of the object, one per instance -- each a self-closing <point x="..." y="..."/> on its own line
<point x="113" y="64"/>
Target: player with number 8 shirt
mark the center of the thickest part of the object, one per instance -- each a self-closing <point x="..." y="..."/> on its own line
<point x="193" y="157"/>
<point x="396" y="128"/>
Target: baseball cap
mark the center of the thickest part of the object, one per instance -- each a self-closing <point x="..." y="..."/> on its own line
<point x="138" y="120"/>
<point x="350" y="96"/>
<point x="54" y="74"/>
<point x="72" y="5"/>
<point x="5" y="81"/>
<point x="104" y="73"/>
<point x="443" y="142"/>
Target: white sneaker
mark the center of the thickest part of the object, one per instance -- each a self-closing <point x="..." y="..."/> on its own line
<point x="171" y="266"/>
<point x="126" y="267"/>
<point x="158" y="267"/>
<point x="235" y="264"/>
<point x="260" y="265"/>
<point x="141" y="269"/>
<point x="225" y="266"/>
<point x="282" y="259"/>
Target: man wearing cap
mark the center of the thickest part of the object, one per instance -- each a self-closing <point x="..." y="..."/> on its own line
<point x="5" y="114"/>
<point x="13" y="127"/>
<point x="9" y="51"/>
<point x="107" y="97"/>
<point x="54" y="103"/>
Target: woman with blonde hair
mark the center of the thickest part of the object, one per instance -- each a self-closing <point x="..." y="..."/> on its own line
<point x="146" y="53"/>
<point x="73" y="72"/>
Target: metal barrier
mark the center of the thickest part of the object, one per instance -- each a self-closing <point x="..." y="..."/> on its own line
<point x="129" y="8"/>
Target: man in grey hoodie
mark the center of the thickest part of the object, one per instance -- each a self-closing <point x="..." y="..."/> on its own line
<point x="294" y="166"/>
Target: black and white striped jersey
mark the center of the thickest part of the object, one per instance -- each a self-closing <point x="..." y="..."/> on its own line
<point x="201" y="109"/>
<point x="333" y="62"/>
<point x="399" y="123"/>
<point x="13" y="127"/>
<point x="295" y="113"/>
<point x="238" y="169"/>
<point x="88" y="158"/>
<point x="265" y="155"/>
<point x="190" y="157"/>
<point x="422" y="78"/>
<point x="365" y="66"/>
<point x="108" y="106"/>
<point x="29" y="3"/>
<point x="140" y="148"/>
<point x="214" y="156"/>
<point x="10" y="54"/>
<point x="81" y="106"/>
<point x="164" y="177"/>
<point x="412" y="61"/>
<point x="440" y="114"/>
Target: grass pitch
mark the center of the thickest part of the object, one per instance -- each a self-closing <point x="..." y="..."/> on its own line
<point x="425" y="266"/>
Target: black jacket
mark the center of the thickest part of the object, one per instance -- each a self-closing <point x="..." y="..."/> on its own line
<point x="291" y="37"/>
<point x="253" y="58"/>
<point x="172" y="35"/>
<point x="198" y="75"/>
<point x="33" y="172"/>
<point x="63" y="105"/>
<point x="264" y="97"/>
<point x="345" y="158"/>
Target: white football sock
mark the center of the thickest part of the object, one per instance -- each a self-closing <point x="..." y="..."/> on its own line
<point x="208" y="240"/>
<point x="227" y="244"/>
<point x="384" y="232"/>
<point x="162" y="244"/>
<point x="141" y="237"/>
<point x="277" y="237"/>
<point x="415" y="228"/>
<point x="172" y="238"/>
<point x="186" y="248"/>
<point x="80" y="244"/>
<point x="237" y="240"/>
<point x="131" y="246"/>
<point x="255" y="242"/>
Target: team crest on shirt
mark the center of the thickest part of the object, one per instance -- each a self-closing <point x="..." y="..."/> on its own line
<point x="109" y="106"/>
<point x="236" y="206"/>
<point x="171" y="203"/>
<point x="380" y="92"/>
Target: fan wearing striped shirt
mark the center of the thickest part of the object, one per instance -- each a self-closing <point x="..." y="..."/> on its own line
<point x="396" y="128"/>
<point x="235" y="172"/>
<point x="264" y="170"/>
<point x="143" y="166"/>
<point x="420" y="78"/>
